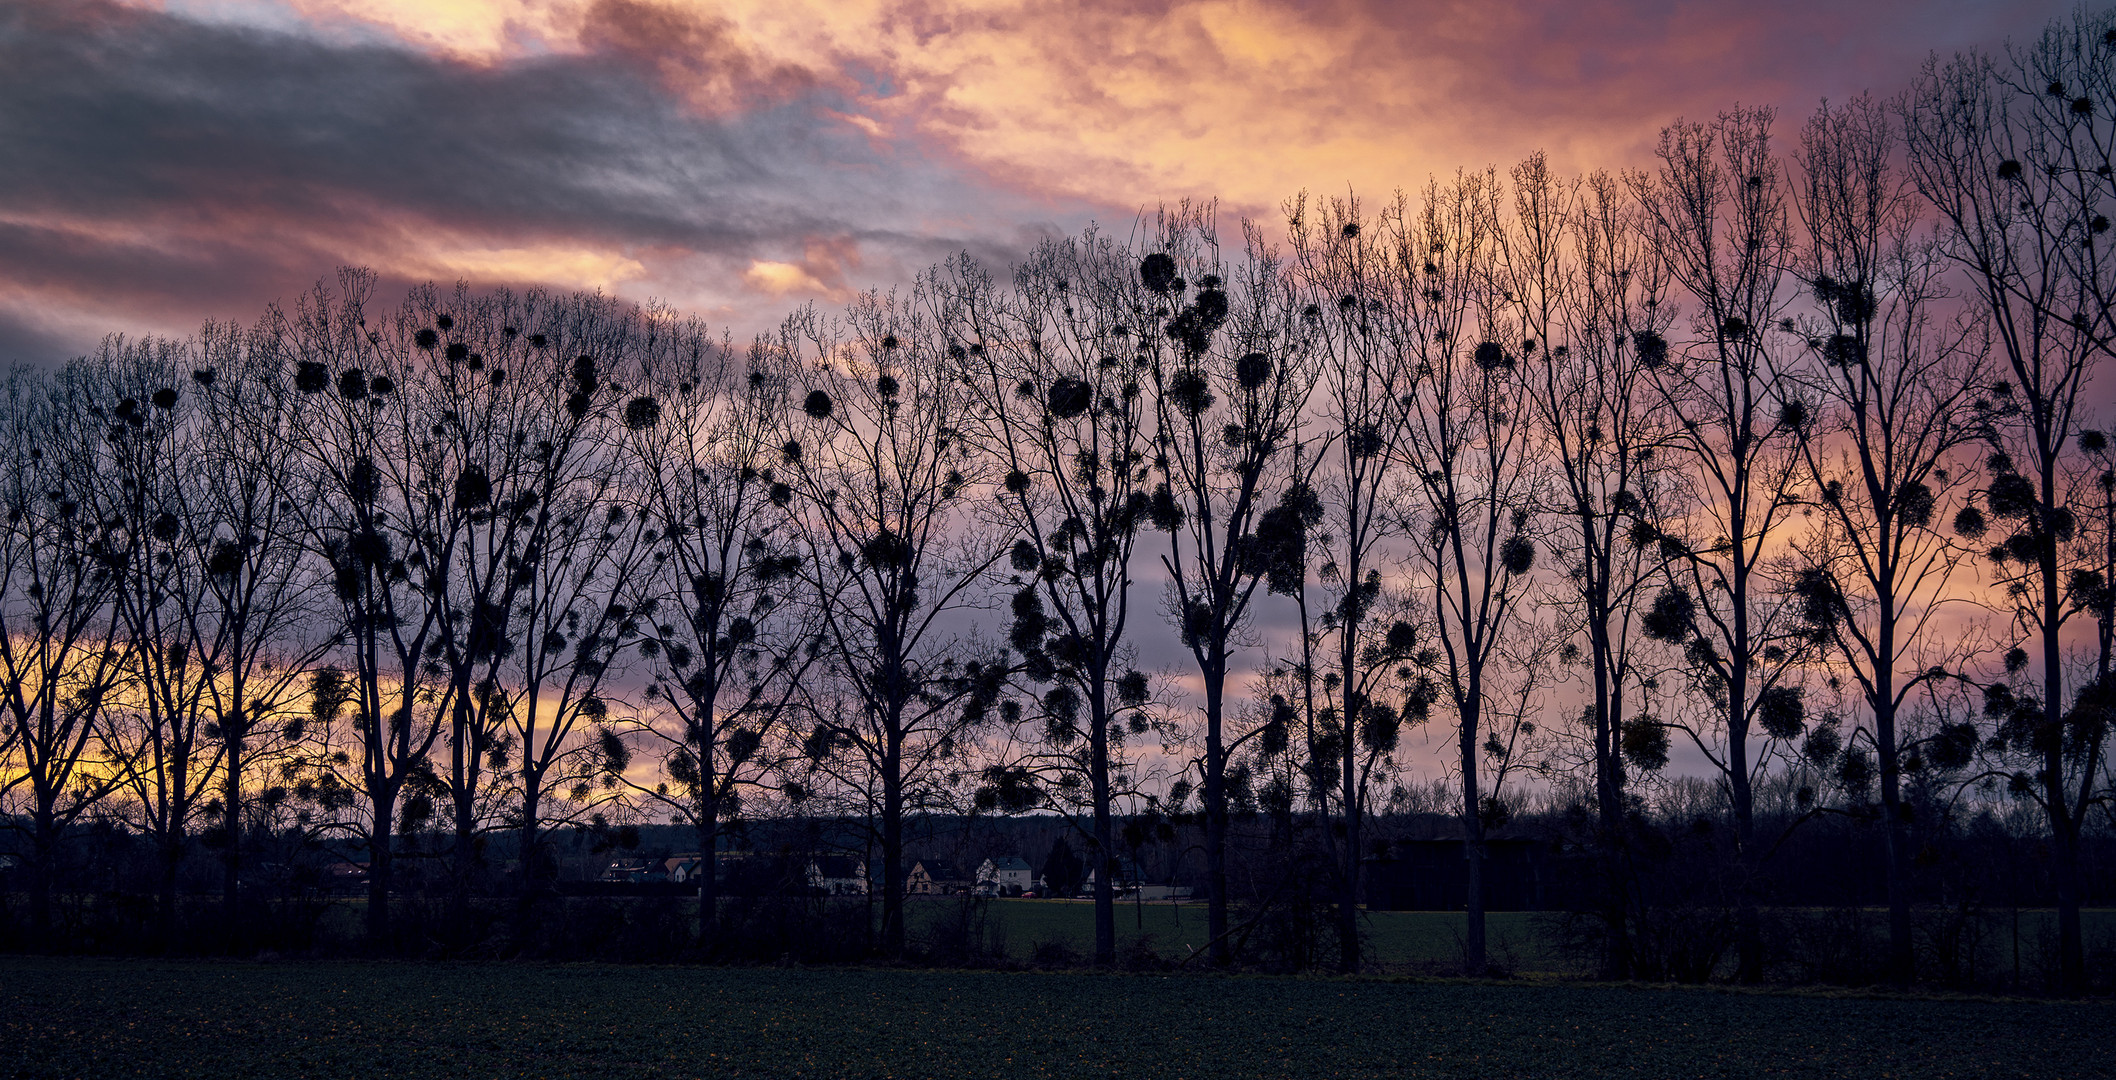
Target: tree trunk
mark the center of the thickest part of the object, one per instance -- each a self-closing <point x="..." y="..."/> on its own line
<point x="707" y="825"/>
<point x="1748" y="917"/>
<point x="2072" y="972"/>
<point x="379" y="870"/>
<point x="462" y="865"/>
<point x="1216" y="818"/>
<point x="171" y="858"/>
<point x="892" y="852"/>
<point x="1352" y="804"/>
<point x="1902" y="961"/>
<point x="1105" y="894"/>
<point x="463" y="856"/>
<point x="231" y="854"/>
<point x="1475" y="958"/>
<point x="532" y="838"/>
<point x="2064" y="824"/>
<point x="43" y="867"/>
<point x="1348" y="951"/>
<point x="1609" y="807"/>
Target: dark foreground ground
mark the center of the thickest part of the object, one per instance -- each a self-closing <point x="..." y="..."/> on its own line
<point x="98" y="1018"/>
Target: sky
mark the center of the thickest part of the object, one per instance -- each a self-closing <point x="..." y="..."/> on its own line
<point x="164" y="162"/>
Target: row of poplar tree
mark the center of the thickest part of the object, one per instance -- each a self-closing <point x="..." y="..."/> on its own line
<point x="1768" y="455"/>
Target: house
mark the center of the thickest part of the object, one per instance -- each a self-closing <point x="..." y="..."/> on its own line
<point x="682" y="868"/>
<point x="837" y="875"/>
<point x="618" y="873"/>
<point x="1131" y="884"/>
<point x="935" y="877"/>
<point x="1006" y="876"/>
<point x="1127" y="879"/>
<point x="344" y="876"/>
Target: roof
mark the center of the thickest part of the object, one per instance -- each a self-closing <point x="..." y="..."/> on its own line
<point x="1010" y="863"/>
<point x="937" y="869"/>
<point x="835" y="866"/>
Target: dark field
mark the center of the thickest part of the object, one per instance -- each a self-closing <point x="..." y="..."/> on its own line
<point x="1418" y="942"/>
<point x="1523" y="943"/>
<point x="76" y="1018"/>
<point x="2008" y="956"/>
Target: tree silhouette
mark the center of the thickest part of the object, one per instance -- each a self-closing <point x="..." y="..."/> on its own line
<point x="732" y="651"/>
<point x="1059" y="403"/>
<point x="2008" y="157"/>
<point x="1474" y="483"/>
<point x="375" y="512"/>
<point x="253" y="631"/>
<point x="877" y="473"/>
<point x="1355" y="699"/>
<point x="1604" y="317"/>
<point x="1229" y="363"/>
<point x="1717" y="210"/>
<point x="1893" y="381"/>
<point x="61" y="657"/>
<point x="146" y="484"/>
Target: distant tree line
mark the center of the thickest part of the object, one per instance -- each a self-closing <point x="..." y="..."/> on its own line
<point x="1777" y="455"/>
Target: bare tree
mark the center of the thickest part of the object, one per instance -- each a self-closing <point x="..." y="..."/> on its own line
<point x="1717" y="209"/>
<point x="1895" y="378"/>
<point x="374" y="507"/>
<point x="146" y="489"/>
<point x="877" y="468"/>
<point x="61" y="655"/>
<point x="2012" y="158"/>
<point x="1230" y="367"/>
<point x="1469" y="455"/>
<point x="1606" y="443"/>
<point x="729" y="657"/>
<point x="579" y="554"/>
<point x="486" y="380"/>
<point x="1356" y="698"/>
<point x="1057" y="383"/>
<point x="253" y="630"/>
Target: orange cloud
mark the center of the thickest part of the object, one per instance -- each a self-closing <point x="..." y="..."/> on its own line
<point x="681" y="148"/>
<point x="695" y="53"/>
<point x="820" y="273"/>
<point x="1128" y="103"/>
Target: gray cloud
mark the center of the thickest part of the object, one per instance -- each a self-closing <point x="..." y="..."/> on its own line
<point x="167" y="170"/>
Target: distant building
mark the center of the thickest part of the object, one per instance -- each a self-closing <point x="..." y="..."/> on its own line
<point x="837" y="875"/>
<point x="344" y="876"/>
<point x="1130" y="883"/>
<point x="1007" y="876"/>
<point x="1127" y="878"/>
<point x="935" y="877"/>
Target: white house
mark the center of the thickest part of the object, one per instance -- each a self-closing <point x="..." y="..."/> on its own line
<point x="1007" y="876"/>
<point x="837" y="875"/>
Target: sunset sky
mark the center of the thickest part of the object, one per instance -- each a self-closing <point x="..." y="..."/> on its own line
<point x="167" y="161"/>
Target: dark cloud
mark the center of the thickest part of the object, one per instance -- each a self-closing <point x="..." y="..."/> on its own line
<point x="694" y="54"/>
<point x="25" y="340"/>
<point x="157" y="169"/>
<point x="193" y="169"/>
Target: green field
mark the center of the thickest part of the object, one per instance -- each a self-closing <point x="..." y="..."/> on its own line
<point x="1413" y="941"/>
<point x="1427" y="942"/>
<point x="101" y="1018"/>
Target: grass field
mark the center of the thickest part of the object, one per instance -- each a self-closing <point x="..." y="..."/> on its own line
<point x="1418" y="942"/>
<point x="101" y="1018"/>
<point x="1396" y="939"/>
